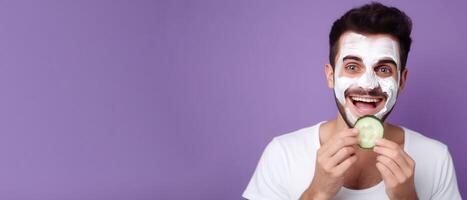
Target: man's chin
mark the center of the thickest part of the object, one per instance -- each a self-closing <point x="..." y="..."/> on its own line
<point x="357" y="113"/>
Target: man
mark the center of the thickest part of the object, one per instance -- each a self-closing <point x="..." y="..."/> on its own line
<point x="369" y="46"/>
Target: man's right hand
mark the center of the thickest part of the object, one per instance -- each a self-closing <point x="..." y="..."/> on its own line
<point x="333" y="159"/>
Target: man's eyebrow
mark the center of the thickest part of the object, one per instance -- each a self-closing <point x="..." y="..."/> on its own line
<point x="352" y="58"/>
<point x="391" y="61"/>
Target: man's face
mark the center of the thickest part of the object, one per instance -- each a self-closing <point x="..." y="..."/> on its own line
<point x="367" y="75"/>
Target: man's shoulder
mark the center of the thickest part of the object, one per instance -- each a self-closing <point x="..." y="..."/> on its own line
<point x="306" y="136"/>
<point x="418" y="143"/>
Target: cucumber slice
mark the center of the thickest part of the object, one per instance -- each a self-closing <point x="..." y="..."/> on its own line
<point x="370" y="128"/>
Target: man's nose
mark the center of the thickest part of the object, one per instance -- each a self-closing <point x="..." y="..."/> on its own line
<point x="368" y="81"/>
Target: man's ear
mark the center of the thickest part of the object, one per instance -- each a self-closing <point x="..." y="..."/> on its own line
<point x="403" y="79"/>
<point x="329" y="75"/>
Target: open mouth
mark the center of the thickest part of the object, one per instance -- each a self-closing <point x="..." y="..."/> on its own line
<point x="365" y="105"/>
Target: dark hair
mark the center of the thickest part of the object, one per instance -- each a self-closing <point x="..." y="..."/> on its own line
<point x="373" y="18"/>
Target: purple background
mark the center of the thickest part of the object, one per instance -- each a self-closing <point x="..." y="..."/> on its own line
<point x="177" y="99"/>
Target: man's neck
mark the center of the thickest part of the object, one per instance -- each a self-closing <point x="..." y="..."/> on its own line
<point x="337" y="124"/>
<point x="340" y="123"/>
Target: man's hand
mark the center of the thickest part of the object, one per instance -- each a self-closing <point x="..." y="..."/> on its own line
<point x="332" y="161"/>
<point x="397" y="169"/>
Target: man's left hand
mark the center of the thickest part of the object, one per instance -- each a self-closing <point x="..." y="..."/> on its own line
<point x="396" y="168"/>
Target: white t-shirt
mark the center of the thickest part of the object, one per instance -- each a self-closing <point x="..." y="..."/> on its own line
<point x="287" y="166"/>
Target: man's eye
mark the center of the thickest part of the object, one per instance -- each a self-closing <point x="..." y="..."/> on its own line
<point x="352" y="67"/>
<point x="384" y="69"/>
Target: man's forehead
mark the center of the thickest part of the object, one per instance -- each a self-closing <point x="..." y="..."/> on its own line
<point x="352" y="40"/>
<point x="351" y="37"/>
<point x="364" y="45"/>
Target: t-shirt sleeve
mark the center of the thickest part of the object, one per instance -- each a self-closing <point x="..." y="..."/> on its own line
<point x="269" y="179"/>
<point x="447" y="185"/>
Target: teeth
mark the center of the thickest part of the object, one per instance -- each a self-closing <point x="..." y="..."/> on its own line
<point x="369" y="100"/>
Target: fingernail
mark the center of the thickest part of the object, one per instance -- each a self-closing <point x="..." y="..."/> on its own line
<point x="354" y="130"/>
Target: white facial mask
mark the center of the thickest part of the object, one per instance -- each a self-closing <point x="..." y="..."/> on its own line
<point x="370" y="50"/>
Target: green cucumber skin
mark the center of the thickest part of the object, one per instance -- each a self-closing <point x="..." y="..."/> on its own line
<point x="371" y="116"/>
<point x="365" y="116"/>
